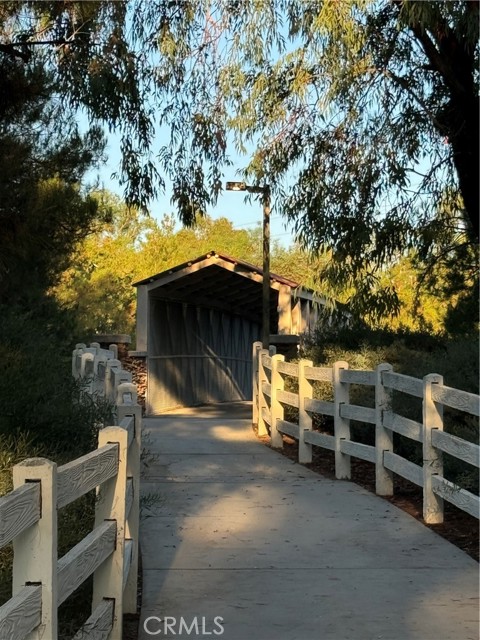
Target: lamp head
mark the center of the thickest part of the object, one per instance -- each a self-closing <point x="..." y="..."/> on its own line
<point x="236" y="186"/>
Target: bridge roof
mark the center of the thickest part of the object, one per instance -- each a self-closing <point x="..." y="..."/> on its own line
<point x="218" y="280"/>
<point x="217" y="257"/>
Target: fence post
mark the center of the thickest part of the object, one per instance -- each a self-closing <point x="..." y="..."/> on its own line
<point x="114" y="365"/>
<point x="305" y="391"/>
<point x="341" y="392"/>
<point x="35" y="550"/>
<point x="76" y="359"/>
<point x="276" y="408"/>
<point x="383" y="436"/>
<point x="86" y="366"/>
<point x="255" y="399"/>
<point x="127" y="406"/>
<point x="432" y="457"/>
<point x="262" y="403"/>
<point x="111" y="499"/>
<point x="99" y="368"/>
<point x="114" y="349"/>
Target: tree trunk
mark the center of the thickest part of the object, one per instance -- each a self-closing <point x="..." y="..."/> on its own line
<point x="464" y="138"/>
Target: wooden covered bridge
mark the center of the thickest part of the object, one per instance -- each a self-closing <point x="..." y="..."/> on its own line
<point x="196" y="324"/>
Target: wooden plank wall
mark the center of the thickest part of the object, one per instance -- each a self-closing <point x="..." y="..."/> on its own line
<point x="197" y="355"/>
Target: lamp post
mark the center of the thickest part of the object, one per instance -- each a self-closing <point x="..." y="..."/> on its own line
<point x="265" y="191"/>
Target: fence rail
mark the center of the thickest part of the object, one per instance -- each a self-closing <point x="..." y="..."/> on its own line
<point x="28" y="517"/>
<point x="270" y="398"/>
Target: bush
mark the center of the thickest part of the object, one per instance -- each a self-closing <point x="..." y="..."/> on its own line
<point x="46" y="413"/>
<point x="413" y="354"/>
<point x="38" y="396"/>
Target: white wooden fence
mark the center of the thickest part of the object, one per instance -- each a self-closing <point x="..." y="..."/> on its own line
<point x="270" y="399"/>
<point x="28" y="516"/>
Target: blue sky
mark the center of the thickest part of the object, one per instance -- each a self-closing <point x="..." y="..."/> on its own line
<point x="230" y="204"/>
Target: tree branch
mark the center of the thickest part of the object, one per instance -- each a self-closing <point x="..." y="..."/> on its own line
<point x="11" y="51"/>
<point x="437" y="60"/>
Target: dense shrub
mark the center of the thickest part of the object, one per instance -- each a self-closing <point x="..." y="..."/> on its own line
<point x="40" y="400"/>
<point x="413" y="354"/>
<point x="45" y="412"/>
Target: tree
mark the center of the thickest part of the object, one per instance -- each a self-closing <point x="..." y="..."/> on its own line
<point x="362" y="115"/>
<point x="97" y="285"/>
<point x="43" y="209"/>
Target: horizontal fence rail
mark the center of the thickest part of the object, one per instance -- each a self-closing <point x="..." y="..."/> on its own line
<point x="28" y="517"/>
<point x="271" y="398"/>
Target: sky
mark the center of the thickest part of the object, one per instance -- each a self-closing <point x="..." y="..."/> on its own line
<point x="230" y="204"/>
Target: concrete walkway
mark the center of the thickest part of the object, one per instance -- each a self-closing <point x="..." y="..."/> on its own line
<point x="277" y="552"/>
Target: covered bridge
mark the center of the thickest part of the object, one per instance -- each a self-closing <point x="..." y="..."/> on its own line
<point x="196" y="324"/>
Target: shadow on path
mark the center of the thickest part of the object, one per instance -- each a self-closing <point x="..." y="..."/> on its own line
<point x="280" y="553"/>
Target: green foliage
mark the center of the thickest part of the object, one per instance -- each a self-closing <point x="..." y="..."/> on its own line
<point x="40" y="400"/>
<point x="98" y="284"/>
<point x="43" y="210"/>
<point x="363" y="116"/>
<point x="45" y="413"/>
<point x="411" y="353"/>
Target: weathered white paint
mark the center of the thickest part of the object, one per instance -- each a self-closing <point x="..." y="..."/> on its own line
<point x="403" y="467"/>
<point x="262" y="401"/>
<point x="266" y="359"/>
<point x="287" y="397"/>
<point x="457" y="447"/>
<point x="129" y="496"/>
<point x="456" y="399"/>
<point x="256" y="349"/>
<point x="354" y="376"/>
<point x="132" y="508"/>
<point x="28" y="516"/>
<point x="358" y="413"/>
<point x="305" y="392"/>
<point x="323" y="440"/>
<point x="276" y="407"/>
<point x="406" y="427"/>
<point x="128" y="561"/>
<point x="405" y="384"/>
<point x="267" y="389"/>
<point x="288" y="368"/>
<point x="19" y="510"/>
<point x="359" y="450"/>
<point x="266" y="418"/>
<point x="126" y="394"/>
<point x="383" y="435"/>
<point x="320" y="374"/>
<point x="20" y="615"/>
<point x="459" y="497"/>
<point x="111" y="505"/>
<point x="99" y="624"/>
<point x="288" y="428"/>
<point x="432" y="457"/>
<point x="84" y="474"/>
<point x="85" y="557"/>
<point x="341" y="425"/>
<point x="35" y="549"/>
<point x="320" y="406"/>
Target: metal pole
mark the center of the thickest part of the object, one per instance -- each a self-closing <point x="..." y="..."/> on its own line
<point x="266" y="269"/>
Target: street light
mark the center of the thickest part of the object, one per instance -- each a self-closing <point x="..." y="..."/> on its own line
<point x="265" y="191"/>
